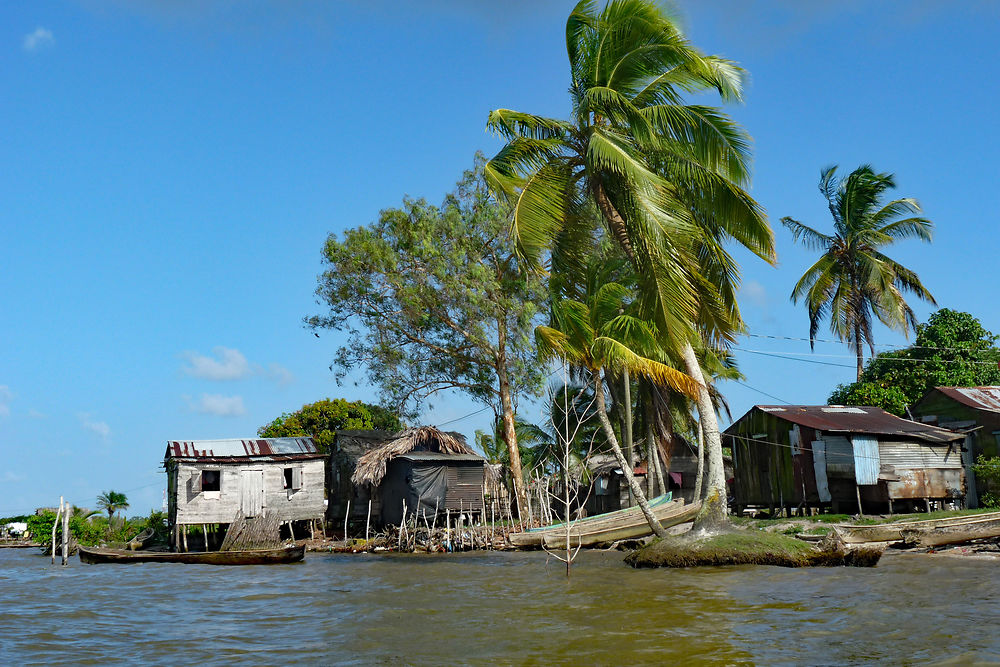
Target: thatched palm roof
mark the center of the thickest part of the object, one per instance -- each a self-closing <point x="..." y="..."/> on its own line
<point x="372" y="466"/>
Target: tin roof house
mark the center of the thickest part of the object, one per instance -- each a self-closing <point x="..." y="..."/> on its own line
<point x="974" y="411"/>
<point x="211" y="482"/>
<point x="843" y="458"/>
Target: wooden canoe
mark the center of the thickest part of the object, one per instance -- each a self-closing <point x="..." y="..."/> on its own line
<point x="628" y="520"/>
<point x="289" y="554"/>
<point x="893" y="532"/>
<point x="955" y="533"/>
<point x="631" y="529"/>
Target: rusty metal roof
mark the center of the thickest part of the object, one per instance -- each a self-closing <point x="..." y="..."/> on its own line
<point x="854" y="419"/>
<point x="980" y="398"/>
<point x="250" y="447"/>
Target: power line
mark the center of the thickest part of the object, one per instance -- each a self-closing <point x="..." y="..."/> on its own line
<point x="887" y="345"/>
<point x="793" y="356"/>
<point x="471" y="414"/>
<point x="763" y="392"/>
<point x="807" y="361"/>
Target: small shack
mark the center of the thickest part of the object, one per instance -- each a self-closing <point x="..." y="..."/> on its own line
<point x="427" y="469"/>
<point x="844" y="458"/>
<point x="210" y="481"/>
<point x="973" y="411"/>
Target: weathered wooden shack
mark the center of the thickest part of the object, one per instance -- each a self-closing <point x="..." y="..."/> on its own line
<point x="845" y="458"/>
<point x="210" y="481"/>
<point x="424" y="467"/>
<point x="974" y="411"/>
<point x="343" y="495"/>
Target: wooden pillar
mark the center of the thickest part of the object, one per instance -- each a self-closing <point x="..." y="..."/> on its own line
<point x="184" y="529"/>
<point x="291" y="531"/>
<point x="857" y="490"/>
<point x="65" y="535"/>
<point x="55" y="524"/>
<point x="347" y="515"/>
<point x="890" y="505"/>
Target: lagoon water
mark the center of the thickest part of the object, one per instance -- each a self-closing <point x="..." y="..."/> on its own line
<point x="497" y="608"/>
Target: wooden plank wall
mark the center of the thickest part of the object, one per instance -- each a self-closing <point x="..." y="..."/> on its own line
<point x="194" y="506"/>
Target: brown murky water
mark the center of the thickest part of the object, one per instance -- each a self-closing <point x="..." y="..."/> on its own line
<point x="506" y="608"/>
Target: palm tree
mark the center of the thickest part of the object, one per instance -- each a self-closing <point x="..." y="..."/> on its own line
<point x="111" y="502"/>
<point x="853" y="279"/>
<point x="599" y="336"/>
<point x="666" y="177"/>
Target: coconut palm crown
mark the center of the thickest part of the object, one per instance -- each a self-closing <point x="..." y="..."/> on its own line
<point x="853" y="280"/>
<point x="666" y="176"/>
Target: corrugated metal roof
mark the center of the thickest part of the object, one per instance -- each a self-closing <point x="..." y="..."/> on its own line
<point x="981" y="398"/>
<point x="851" y="419"/>
<point x="232" y="448"/>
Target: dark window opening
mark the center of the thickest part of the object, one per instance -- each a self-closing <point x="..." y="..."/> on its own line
<point x="211" y="480"/>
<point x="292" y="478"/>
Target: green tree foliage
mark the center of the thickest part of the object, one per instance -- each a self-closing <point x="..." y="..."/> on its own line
<point x="952" y="349"/>
<point x="322" y="419"/>
<point x="111" y="502"/>
<point x="853" y="279"/>
<point x="433" y="298"/>
<point x="666" y="176"/>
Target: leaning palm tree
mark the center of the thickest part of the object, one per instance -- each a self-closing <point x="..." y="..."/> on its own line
<point x="111" y="502"/>
<point x="853" y="280"/>
<point x="600" y="337"/>
<point x="666" y="177"/>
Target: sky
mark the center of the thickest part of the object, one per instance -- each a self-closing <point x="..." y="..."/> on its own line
<point x="170" y="170"/>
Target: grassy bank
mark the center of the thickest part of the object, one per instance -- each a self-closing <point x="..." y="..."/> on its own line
<point x="746" y="547"/>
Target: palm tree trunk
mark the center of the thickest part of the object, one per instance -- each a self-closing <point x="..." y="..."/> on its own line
<point x="507" y="407"/>
<point x="715" y="508"/>
<point x="859" y="350"/>
<point x="627" y="421"/>
<point x="633" y="485"/>
<point x="701" y="464"/>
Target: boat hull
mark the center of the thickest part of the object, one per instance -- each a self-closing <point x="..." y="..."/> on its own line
<point x="623" y="524"/>
<point x="952" y="534"/>
<point x="893" y="532"/>
<point x="289" y="554"/>
<point x="629" y="531"/>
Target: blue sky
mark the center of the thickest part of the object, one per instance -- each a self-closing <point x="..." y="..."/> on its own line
<point x="169" y="172"/>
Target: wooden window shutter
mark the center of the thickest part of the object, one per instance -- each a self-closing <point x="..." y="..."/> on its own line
<point x="194" y="482"/>
<point x="296" y="478"/>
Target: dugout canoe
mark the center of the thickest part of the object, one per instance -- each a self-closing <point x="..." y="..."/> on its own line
<point x="289" y="554"/>
<point x="893" y="532"/>
<point x="955" y="533"/>
<point x="628" y="523"/>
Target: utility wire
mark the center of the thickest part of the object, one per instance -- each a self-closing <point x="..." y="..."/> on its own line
<point x="794" y="356"/>
<point x="887" y="345"/>
<point x="763" y="392"/>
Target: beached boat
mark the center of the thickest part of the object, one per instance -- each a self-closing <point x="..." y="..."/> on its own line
<point x="288" y="554"/>
<point x="894" y="532"/>
<point x="623" y="524"/>
<point x="955" y="533"/>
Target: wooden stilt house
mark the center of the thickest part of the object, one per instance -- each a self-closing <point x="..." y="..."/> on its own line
<point x="427" y="469"/>
<point x="209" y="482"/>
<point x="848" y="458"/>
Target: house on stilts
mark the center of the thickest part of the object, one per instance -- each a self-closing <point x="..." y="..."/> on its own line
<point x="844" y="458"/>
<point x="211" y="482"/>
<point x="424" y="468"/>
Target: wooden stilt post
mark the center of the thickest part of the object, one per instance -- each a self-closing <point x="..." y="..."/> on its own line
<point x="447" y="528"/>
<point x="890" y="505"/>
<point x="312" y="529"/>
<point x="347" y="515"/>
<point x="55" y="524"/>
<point x="65" y="535"/>
<point x="368" y="521"/>
<point x="185" y="533"/>
<point x="291" y="531"/>
<point x="857" y="489"/>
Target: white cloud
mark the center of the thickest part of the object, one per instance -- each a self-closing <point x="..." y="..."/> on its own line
<point x="9" y="476"/>
<point x="41" y="38"/>
<point x="6" y="396"/>
<point x="221" y="406"/>
<point x="35" y="414"/>
<point x="280" y="374"/>
<point x="229" y="365"/>
<point x="101" y="429"/>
